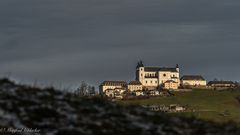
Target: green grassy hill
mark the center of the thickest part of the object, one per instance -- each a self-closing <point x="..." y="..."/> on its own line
<point x="211" y="105"/>
<point x="52" y="112"/>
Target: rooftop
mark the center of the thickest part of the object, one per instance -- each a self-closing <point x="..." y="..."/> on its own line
<point x="220" y="82"/>
<point x="156" y="69"/>
<point x="192" y="77"/>
<point x="170" y="81"/>
<point x="114" y="83"/>
<point x="135" y="83"/>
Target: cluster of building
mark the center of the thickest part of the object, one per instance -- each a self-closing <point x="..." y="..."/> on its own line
<point x="152" y="80"/>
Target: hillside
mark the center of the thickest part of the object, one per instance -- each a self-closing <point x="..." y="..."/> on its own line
<point x="218" y="106"/>
<point x="53" y="112"/>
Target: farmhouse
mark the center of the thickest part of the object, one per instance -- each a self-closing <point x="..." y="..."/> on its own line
<point x="193" y="80"/>
<point x="221" y="84"/>
<point x="155" y="77"/>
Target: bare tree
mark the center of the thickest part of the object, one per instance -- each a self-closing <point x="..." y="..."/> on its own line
<point x="92" y="91"/>
<point x="85" y="90"/>
<point x="82" y="90"/>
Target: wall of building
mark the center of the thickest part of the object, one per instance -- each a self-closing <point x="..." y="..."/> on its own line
<point x="104" y="88"/>
<point x="150" y="82"/>
<point x="135" y="87"/>
<point x="194" y="82"/>
<point x="171" y="85"/>
<point x="141" y="74"/>
<point x="165" y="76"/>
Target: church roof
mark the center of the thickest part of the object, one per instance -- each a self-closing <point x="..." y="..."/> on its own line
<point x="192" y="77"/>
<point x="156" y="69"/>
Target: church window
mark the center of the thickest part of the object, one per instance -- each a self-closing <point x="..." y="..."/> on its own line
<point x="146" y="81"/>
<point x="151" y="81"/>
<point x="164" y="75"/>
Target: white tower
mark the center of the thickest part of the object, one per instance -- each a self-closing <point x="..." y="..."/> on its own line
<point x="140" y="72"/>
<point x="177" y="68"/>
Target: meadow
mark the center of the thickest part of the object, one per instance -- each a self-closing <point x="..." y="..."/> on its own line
<point x="210" y="105"/>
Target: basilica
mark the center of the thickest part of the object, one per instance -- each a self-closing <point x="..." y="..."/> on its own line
<point x="158" y="77"/>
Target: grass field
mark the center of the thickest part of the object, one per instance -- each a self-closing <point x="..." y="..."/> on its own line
<point x="212" y="103"/>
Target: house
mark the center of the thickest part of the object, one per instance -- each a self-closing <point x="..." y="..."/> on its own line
<point x="135" y="86"/>
<point x="113" y="85"/>
<point x="118" y="95"/>
<point x="109" y="93"/>
<point x="154" y="77"/>
<point x="170" y="85"/>
<point x="221" y="84"/>
<point x="115" y="93"/>
<point x="193" y="80"/>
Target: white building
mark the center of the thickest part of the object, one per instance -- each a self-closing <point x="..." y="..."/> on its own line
<point x="114" y="93"/>
<point x="155" y="77"/>
<point x="135" y="86"/>
<point x="113" y="85"/>
<point x="221" y="84"/>
<point x="193" y="80"/>
<point x="109" y="93"/>
<point x="170" y="84"/>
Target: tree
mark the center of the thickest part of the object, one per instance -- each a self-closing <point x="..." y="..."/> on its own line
<point x="92" y="91"/>
<point x="82" y="90"/>
<point x="85" y="90"/>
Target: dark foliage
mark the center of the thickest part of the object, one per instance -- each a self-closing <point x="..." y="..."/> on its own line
<point x="58" y="113"/>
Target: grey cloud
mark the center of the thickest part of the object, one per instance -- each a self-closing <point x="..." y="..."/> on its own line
<point x="93" y="40"/>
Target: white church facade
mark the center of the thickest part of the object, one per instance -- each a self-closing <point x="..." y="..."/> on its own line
<point x="157" y="77"/>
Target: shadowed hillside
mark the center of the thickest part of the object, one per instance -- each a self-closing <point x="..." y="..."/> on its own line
<point x="53" y="112"/>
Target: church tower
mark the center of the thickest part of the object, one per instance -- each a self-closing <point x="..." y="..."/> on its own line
<point x="140" y="72"/>
<point x="177" y="68"/>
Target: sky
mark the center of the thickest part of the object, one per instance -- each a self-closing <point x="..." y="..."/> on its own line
<point x="65" y="42"/>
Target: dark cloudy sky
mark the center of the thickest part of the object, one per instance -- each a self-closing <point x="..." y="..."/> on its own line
<point x="63" y="42"/>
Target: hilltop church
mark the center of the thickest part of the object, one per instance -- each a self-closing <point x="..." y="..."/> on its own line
<point x="158" y="77"/>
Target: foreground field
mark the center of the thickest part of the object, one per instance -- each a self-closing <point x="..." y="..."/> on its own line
<point x="218" y="106"/>
<point x="26" y="110"/>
